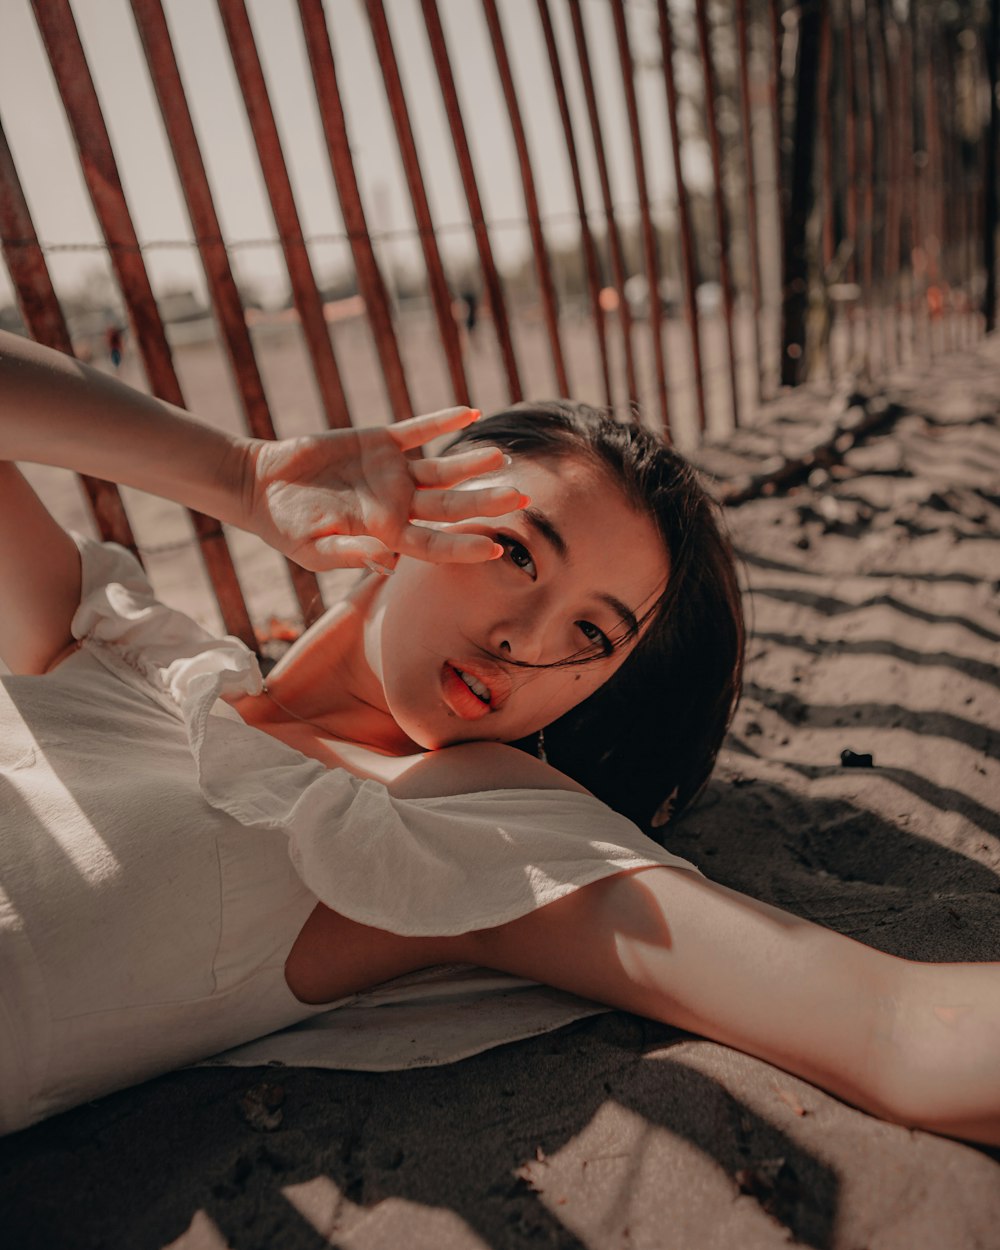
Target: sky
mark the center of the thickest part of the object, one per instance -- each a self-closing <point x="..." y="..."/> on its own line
<point x="45" y="157"/>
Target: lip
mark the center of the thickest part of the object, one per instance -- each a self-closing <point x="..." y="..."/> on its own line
<point x="460" y="698"/>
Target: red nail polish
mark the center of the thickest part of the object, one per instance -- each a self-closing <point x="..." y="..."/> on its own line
<point x="523" y="501"/>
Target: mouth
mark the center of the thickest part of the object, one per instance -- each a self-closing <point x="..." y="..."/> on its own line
<point x="472" y="692"/>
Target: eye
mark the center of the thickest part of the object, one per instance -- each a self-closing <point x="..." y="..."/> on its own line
<point x="596" y="636"/>
<point x="518" y="554"/>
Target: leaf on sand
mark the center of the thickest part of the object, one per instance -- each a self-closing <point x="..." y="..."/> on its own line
<point x="788" y="1097"/>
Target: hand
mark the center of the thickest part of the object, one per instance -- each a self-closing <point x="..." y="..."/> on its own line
<point x="349" y="497"/>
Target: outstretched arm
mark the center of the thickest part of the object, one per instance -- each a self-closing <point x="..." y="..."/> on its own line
<point x="918" y="1044"/>
<point x="915" y="1043"/>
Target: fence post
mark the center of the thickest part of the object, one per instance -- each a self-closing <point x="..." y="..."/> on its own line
<point x="463" y="154"/>
<point x="775" y="93"/>
<point x="319" y="49"/>
<point x="615" y="252"/>
<point x="64" y="49"/>
<point x="305" y="293"/>
<point x="543" y="267"/>
<point x="649" y="248"/>
<point x="796" y="266"/>
<point x="437" y="282"/>
<point x="990" y="174"/>
<point x="750" y="189"/>
<point x="154" y="35"/>
<point x="43" y="315"/>
<point x="688" y="263"/>
<point x="591" y="263"/>
<point x="718" y="196"/>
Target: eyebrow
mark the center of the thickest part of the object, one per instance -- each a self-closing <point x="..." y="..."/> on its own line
<point x="626" y="614"/>
<point x="541" y="524"/>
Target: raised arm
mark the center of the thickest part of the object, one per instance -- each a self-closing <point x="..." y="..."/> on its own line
<point x="326" y="500"/>
<point x="55" y="410"/>
<point x="338" y="499"/>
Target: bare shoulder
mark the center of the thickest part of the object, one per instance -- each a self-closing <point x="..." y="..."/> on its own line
<point x="470" y="767"/>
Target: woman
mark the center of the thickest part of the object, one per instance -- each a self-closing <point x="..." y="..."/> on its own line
<point x="192" y="857"/>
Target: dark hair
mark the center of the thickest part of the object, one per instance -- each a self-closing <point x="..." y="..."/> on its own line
<point x="654" y="729"/>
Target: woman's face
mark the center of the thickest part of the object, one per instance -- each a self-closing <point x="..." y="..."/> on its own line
<point x="579" y="564"/>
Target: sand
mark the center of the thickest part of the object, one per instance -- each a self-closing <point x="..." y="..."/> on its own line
<point x="873" y="596"/>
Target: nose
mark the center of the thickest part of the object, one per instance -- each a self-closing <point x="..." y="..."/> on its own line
<point x="526" y="637"/>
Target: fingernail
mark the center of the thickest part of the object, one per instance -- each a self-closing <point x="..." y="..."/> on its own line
<point x="498" y="551"/>
<point x="523" y="501"/>
<point x="508" y="460"/>
<point x="374" y="567"/>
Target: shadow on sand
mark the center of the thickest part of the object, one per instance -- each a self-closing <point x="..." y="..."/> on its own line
<point x="132" y="1170"/>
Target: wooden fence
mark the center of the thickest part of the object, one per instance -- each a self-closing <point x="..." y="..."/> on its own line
<point x="847" y="224"/>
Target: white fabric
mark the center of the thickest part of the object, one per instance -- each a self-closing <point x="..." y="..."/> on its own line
<point x="158" y="856"/>
<point x="422" y="1020"/>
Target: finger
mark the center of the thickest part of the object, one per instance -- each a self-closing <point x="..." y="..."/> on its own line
<point x="447" y="546"/>
<point x="461" y="505"/>
<point x="450" y="470"/>
<point x="419" y="430"/>
<point x="345" y="552"/>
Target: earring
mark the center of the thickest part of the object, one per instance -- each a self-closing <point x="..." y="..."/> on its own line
<point x="665" y="811"/>
<point x="540" y="747"/>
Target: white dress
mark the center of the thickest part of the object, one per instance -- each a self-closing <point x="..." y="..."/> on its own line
<point x="158" y="857"/>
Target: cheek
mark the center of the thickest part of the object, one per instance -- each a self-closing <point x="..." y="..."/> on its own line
<point x="414" y="598"/>
<point x="560" y="690"/>
<point x="582" y="682"/>
<point x="423" y="583"/>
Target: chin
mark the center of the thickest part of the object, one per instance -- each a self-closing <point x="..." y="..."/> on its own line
<point x="423" y="736"/>
<point x="434" y="733"/>
<point x="438" y="740"/>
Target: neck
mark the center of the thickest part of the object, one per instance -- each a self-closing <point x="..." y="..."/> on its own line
<point x="325" y="680"/>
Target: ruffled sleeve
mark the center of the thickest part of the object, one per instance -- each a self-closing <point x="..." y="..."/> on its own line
<point x="471" y="861"/>
<point x="416" y="867"/>
<point x="121" y="619"/>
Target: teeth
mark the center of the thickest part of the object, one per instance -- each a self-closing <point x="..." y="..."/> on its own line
<point x="480" y="690"/>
